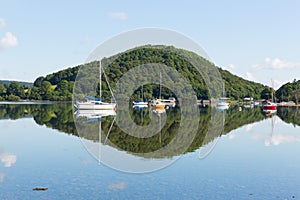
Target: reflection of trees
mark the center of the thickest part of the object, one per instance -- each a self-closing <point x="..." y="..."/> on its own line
<point x="289" y="115"/>
<point x="60" y="116"/>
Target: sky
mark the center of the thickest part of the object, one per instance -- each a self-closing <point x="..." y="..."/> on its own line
<point x="257" y="40"/>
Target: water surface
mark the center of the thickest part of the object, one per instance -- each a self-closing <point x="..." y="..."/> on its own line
<point x="255" y="157"/>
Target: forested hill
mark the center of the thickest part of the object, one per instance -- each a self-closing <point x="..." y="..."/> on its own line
<point x="59" y="86"/>
<point x="289" y="92"/>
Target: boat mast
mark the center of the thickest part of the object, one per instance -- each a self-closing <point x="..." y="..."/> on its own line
<point x="159" y="85"/>
<point x="224" y="95"/>
<point x="100" y="124"/>
<point x="100" y="79"/>
<point x="272" y="92"/>
<point x="142" y="93"/>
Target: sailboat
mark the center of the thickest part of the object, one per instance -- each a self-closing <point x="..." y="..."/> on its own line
<point x="222" y="104"/>
<point x="270" y="106"/>
<point x="93" y="103"/>
<point x="141" y="102"/>
<point x="158" y="104"/>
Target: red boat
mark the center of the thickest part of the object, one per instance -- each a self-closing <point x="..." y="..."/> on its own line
<point x="268" y="105"/>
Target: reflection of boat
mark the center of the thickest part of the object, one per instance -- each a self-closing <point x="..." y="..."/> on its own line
<point x="248" y="105"/>
<point x="159" y="111"/>
<point x="94" y="115"/>
<point x="222" y="104"/>
<point x="96" y="103"/>
<point x="90" y="114"/>
<point x="256" y="103"/>
<point x="269" y="112"/>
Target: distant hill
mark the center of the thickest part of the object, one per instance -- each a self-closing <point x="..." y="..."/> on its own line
<point x="6" y="82"/>
<point x="59" y="86"/>
<point x="289" y="92"/>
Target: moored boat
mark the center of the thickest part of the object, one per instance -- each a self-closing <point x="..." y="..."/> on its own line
<point x="158" y="105"/>
<point x="140" y="103"/>
<point x="268" y="105"/>
<point x="95" y="104"/>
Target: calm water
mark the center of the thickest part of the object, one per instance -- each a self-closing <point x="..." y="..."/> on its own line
<point x="254" y="157"/>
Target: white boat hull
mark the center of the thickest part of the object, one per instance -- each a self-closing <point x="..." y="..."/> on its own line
<point x="93" y="106"/>
<point x="223" y="104"/>
<point x="90" y="114"/>
<point x="140" y="103"/>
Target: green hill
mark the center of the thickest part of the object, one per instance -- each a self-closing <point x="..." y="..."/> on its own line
<point x="59" y="86"/>
<point x="289" y="92"/>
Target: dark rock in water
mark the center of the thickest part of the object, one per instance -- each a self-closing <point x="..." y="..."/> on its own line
<point x="40" y="189"/>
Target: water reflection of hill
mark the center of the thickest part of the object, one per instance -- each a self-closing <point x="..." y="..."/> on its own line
<point x="57" y="116"/>
<point x="289" y="115"/>
<point x="60" y="117"/>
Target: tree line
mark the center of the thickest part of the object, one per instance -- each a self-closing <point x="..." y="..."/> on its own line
<point x="59" y="86"/>
<point x="54" y="87"/>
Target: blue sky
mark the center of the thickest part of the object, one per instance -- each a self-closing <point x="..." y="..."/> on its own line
<point x="258" y="40"/>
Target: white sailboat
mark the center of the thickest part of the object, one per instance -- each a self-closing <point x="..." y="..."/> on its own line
<point x="97" y="103"/>
<point x="141" y="102"/>
<point x="158" y="104"/>
<point x="222" y="104"/>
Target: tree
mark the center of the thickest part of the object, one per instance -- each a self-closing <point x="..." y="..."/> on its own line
<point x="2" y="89"/>
<point x="296" y="95"/>
<point x="16" y="89"/>
<point x="266" y="93"/>
<point x="38" y="82"/>
<point x="12" y="97"/>
<point x="62" y="87"/>
<point x="46" y="91"/>
<point x="34" y="93"/>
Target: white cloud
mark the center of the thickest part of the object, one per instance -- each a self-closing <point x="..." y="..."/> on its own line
<point x="2" y="23"/>
<point x="249" y="127"/>
<point x="278" y="83"/>
<point x="8" y="159"/>
<point x="232" y="66"/>
<point x="9" y="40"/>
<point x="276" y="63"/>
<point x="232" y="136"/>
<point x="117" y="186"/>
<point x="250" y="76"/>
<point x="118" y="15"/>
<point x="280" y="139"/>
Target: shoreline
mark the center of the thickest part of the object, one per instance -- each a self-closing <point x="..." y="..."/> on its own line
<point x="33" y="102"/>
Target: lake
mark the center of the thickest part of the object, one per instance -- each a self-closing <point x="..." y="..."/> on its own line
<point x="252" y="156"/>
